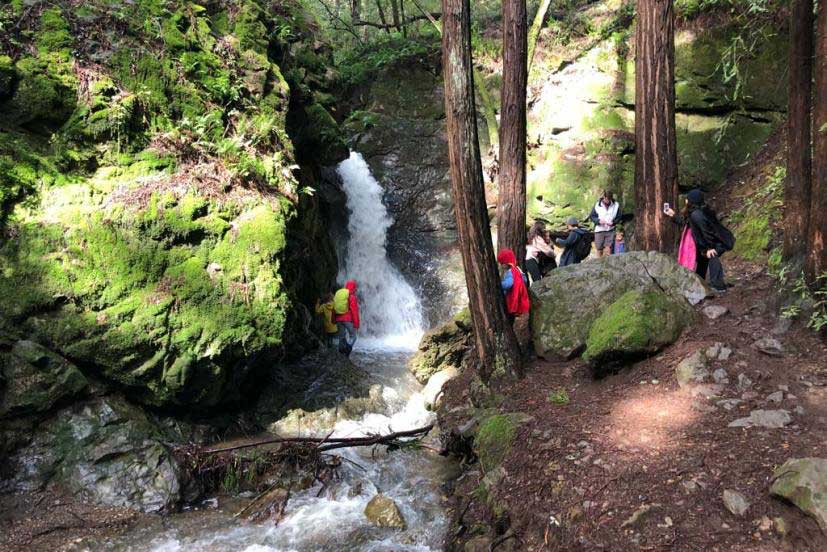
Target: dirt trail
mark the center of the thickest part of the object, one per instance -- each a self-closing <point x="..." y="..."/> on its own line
<point x="636" y="442"/>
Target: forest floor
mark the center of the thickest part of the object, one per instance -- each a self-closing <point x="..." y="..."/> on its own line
<point x="635" y="461"/>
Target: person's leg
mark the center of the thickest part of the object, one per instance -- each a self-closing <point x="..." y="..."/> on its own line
<point x="533" y="269"/>
<point x="716" y="274"/>
<point x="598" y="243"/>
<point x="351" y="334"/>
<point x="701" y="264"/>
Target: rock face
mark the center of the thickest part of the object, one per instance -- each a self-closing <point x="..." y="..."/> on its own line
<point x="383" y="512"/>
<point x="105" y="451"/>
<point x="567" y="303"/>
<point x="442" y="348"/>
<point x="803" y="481"/>
<point x="639" y="323"/>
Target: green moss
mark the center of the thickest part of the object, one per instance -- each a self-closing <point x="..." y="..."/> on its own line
<point x="7" y="77"/>
<point x="53" y="35"/>
<point x="494" y="440"/>
<point x="753" y="238"/>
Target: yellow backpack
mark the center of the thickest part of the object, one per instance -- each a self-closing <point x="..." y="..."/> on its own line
<point x="341" y="301"/>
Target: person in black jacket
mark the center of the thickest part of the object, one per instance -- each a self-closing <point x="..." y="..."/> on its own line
<point x="711" y="239"/>
<point x="569" y="244"/>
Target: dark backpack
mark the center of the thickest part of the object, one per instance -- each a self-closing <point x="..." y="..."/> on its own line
<point x="725" y="237"/>
<point x="582" y="248"/>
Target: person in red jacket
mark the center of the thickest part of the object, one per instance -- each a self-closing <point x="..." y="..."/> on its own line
<point x="348" y="322"/>
<point x="514" y="285"/>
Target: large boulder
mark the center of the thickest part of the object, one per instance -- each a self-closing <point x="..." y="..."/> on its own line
<point x="36" y="379"/>
<point x="569" y="300"/>
<point x="803" y="481"/>
<point x="105" y="451"/>
<point x="443" y="348"/>
<point x="638" y="324"/>
<point x="383" y="512"/>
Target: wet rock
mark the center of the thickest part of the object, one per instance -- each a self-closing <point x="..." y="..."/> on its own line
<point x="803" y="481"/>
<point x="433" y="389"/>
<point x="444" y="347"/>
<point x="735" y="502"/>
<point x="640" y="323"/>
<point x="714" y="312"/>
<point x="769" y="346"/>
<point x="692" y="369"/>
<point x="36" y="380"/>
<point x="105" y="451"/>
<point x="567" y="302"/>
<point x="383" y="512"/>
<point x="773" y="419"/>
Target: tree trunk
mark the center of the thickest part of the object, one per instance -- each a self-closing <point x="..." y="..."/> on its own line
<point x="799" y="156"/>
<point x="355" y="11"/>
<point x="816" y="246"/>
<point x="536" y="27"/>
<point x="402" y="16"/>
<point x="494" y="339"/>
<point x="395" y="15"/>
<point x="656" y="159"/>
<point x="511" y="207"/>
<point x="382" y="16"/>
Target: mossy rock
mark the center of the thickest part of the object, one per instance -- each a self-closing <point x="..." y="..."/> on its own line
<point x="443" y="347"/>
<point x="495" y="438"/>
<point x="640" y="323"/>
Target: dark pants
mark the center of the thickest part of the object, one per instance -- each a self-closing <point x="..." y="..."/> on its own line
<point x="533" y="269"/>
<point x="715" y="269"/>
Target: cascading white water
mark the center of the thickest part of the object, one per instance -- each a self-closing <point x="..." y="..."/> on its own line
<point x="389" y="307"/>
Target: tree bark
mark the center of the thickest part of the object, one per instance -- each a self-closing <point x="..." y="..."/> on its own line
<point x="385" y="25"/>
<point x="355" y="11"/>
<point x="816" y="247"/>
<point x="494" y="339"/>
<point x="656" y="159"/>
<point x="511" y="207"/>
<point x="395" y="15"/>
<point x="799" y="135"/>
<point x="536" y="27"/>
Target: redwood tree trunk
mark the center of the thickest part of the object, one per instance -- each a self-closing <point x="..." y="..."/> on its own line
<point x="816" y="247"/>
<point x="494" y="337"/>
<point x="799" y="157"/>
<point x="511" y="207"/>
<point x="656" y="159"/>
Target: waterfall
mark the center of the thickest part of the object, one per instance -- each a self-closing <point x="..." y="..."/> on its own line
<point x="391" y="314"/>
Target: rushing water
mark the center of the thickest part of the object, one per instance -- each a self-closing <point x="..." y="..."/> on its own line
<point x="391" y="328"/>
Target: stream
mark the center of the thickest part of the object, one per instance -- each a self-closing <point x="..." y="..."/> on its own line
<point x="392" y="324"/>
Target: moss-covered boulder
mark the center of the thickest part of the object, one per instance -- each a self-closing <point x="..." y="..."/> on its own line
<point x="495" y="439"/>
<point x="803" y="481"/>
<point x="443" y="348"/>
<point x="33" y="379"/>
<point x="566" y="304"/>
<point x="641" y="322"/>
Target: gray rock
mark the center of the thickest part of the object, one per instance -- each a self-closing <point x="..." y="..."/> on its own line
<point x="478" y="544"/>
<point x="744" y="383"/>
<point x="724" y="354"/>
<point x="383" y="512"/>
<point x="692" y="369"/>
<point x="690" y="486"/>
<point x="433" y="388"/>
<point x="566" y="303"/>
<point x="776" y="397"/>
<point x="769" y="346"/>
<point x="714" y="312"/>
<point x="105" y="451"/>
<point x="720" y="376"/>
<point x="706" y="390"/>
<point x="735" y="502"/>
<point x="729" y="404"/>
<point x="803" y="481"/>
<point x="773" y="419"/>
<point x="782" y="326"/>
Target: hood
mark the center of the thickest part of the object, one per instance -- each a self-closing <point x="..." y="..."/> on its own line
<point x="350" y="285"/>
<point x="506" y="256"/>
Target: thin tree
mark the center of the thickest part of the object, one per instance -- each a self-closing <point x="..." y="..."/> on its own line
<point x="799" y="156"/>
<point x="494" y="339"/>
<point x="511" y="207"/>
<point x="816" y="247"/>
<point x="536" y="27"/>
<point x="656" y="158"/>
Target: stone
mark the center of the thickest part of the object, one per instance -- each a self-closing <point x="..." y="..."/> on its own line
<point x="729" y="404"/>
<point x="690" y="486"/>
<point x="724" y="354"/>
<point x="772" y="419"/>
<point x="640" y="515"/>
<point x="566" y="303"/>
<point x="782" y="326"/>
<point x="776" y="397"/>
<point x="443" y="347"/>
<point x="640" y="323"/>
<point x="433" y="389"/>
<point x="744" y="383"/>
<point x="735" y="502"/>
<point x="714" y="312"/>
<point x="692" y="369"/>
<point x="720" y="376"/>
<point x="36" y="380"/>
<point x="384" y="512"/>
<point x="106" y="451"/>
<point x="769" y="346"/>
<point x="780" y="525"/>
<point x="803" y="481"/>
<point x="478" y="544"/>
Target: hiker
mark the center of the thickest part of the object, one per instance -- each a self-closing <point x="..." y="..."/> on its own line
<point x="620" y="243"/>
<point x="325" y="309"/>
<point x="538" y="252"/>
<point x="605" y="215"/>
<point x="514" y="285"/>
<point x="346" y="306"/>
<point x="703" y="239"/>
<point x="576" y="246"/>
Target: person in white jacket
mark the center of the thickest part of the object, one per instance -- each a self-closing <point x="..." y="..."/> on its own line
<point x="536" y="246"/>
<point x="605" y="215"/>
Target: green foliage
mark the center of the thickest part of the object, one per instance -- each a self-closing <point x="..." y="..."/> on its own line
<point x="494" y="440"/>
<point x="357" y="66"/>
<point x="810" y="302"/>
<point x="754" y="220"/>
<point x="559" y="396"/>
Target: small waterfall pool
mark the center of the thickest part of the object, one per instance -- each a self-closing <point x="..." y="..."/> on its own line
<point x="392" y="324"/>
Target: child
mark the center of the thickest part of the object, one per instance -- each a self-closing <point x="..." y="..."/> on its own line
<point x="620" y="245"/>
<point x="514" y="285"/>
<point x="326" y="311"/>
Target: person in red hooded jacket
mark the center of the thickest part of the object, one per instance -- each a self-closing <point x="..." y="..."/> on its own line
<point x="514" y="285"/>
<point x="348" y="321"/>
